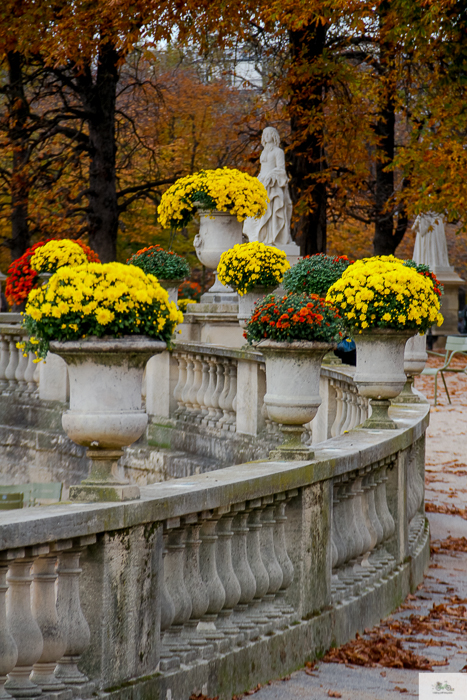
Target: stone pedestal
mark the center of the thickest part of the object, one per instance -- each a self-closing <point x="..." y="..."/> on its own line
<point x="292" y="251"/>
<point x="449" y="301"/>
<point x="216" y="324"/>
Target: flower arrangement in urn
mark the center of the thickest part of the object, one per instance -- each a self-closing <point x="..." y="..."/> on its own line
<point x="383" y="302"/>
<point x="105" y="321"/>
<point x="294" y="333"/>
<point x="163" y="264"/>
<point x="224" y="189"/>
<point x="55" y="254"/>
<point x="314" y="274"/>
<point x="384" y="292"/>
<point x="250" y="265"/>
<point x="294" y="317"/>
<point x="22" y="277"/>
<point x="98" y="300"/>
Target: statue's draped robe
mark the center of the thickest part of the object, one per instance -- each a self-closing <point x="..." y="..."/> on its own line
<point x="430" y="244"/>
<point x="274" y="226"/>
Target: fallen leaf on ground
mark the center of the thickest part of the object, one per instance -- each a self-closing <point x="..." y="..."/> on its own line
<point x="380" y="649"/>
<point x="401" y="690"/>
<point x="334" y="694"/>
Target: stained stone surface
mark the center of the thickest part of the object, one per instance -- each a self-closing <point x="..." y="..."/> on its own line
<point x="446" y="488"/>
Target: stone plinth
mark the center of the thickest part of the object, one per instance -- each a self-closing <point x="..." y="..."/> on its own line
<point x="216" y="324"/>
<point x="449" y="301"/>
<point x="292" y="251"/>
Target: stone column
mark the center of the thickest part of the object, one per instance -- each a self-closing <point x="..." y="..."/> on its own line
<point x="23" y="627"/>
<point x="8" y="648"/>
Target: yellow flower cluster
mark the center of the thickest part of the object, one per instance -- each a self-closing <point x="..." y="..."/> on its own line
<point x="224" y="189"/>
<point x="55" y="254"/>
<point x="248" y="265"/>
<point x="97" y="299"/>
<point x="381" y="292"/>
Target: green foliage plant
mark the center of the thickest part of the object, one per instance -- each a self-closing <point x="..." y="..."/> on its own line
<point x="314" y="274"/>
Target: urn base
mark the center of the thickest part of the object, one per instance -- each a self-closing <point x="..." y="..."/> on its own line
<point x="96" y="493"/>
<point x="103" y="484"/>
<point x="379" y="419"/>
<point x="292" y="449"/>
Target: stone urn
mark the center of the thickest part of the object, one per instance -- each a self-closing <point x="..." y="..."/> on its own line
<point x="292" y="390"/>
<point x="171" y="287"/>
<point x="415" y="357"/>
<point x="248" y="300"/>
<point x="105" y="411"/>
<point x="380" y="372"/>
<point x="218" y="231"/>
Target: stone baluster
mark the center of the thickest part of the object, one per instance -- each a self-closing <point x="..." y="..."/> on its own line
<point x="359" y="510"/>
<point x="193" y="395"/>
<point x="4" y="361"/>
<point x="29" y="374"/>
<point x="240" y="561"/>
<point x="23" y="361"/>
<point x="255" y="559"/>
<point x="209" y="396"/>
<point x="202" y="391"/>
<point x="186" y="391"/>
<point x="175" y="578"/>
<point x="181" y="359"/>
<point x="353" y="407"/>
<point x="44" y="610"/>
<point x="37" y="377"/>
<point x="347" y="398"/>
<point x="268" y="552"/>
<point x="194" y="582"/>
<point x="23" y="627"/>
<point x="415" y="489"/>
<point x="369" y="486"/>
<point x="224" y="394"/>
<point x="280" y="547"/>
<point x="231" y="418"/>
<point x="216" y="399"/>
<point x="384" y="515"/>
<point x="12" y="365"/>
<point x="339" y="525"/>
<point x="227" y="575"/>
<point x="212" y="581"/>
<point x="8" y="648"/>
<point x="347" y="526"/>
<point x="339" y="421"/>
<point x="174" y="570"/>
<point x="167" y="659"/>
<point x="70" y="614"/>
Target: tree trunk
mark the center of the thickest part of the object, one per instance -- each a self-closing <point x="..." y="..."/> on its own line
<point x="102" y="198"/>
<point x="18" y="110"/>
<point x="306" y="153"/>
<point x="386" y="238"/>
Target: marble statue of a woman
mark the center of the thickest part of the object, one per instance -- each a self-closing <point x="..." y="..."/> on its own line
<point x="274" y="226"/>
<point x="430" y="243"/>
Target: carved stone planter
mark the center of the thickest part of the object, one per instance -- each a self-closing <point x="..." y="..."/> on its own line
<point x="380" y="371"/>
<point x="218" y="231"/>
<point x="105" y="412"/>
<point x="247" y="302"/>
<point x="292" y="390"/>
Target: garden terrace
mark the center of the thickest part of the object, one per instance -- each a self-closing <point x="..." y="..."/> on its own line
<point x="257" y="567"/>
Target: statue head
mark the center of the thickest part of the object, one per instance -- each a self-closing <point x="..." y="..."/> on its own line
<point x="270" y="135"/>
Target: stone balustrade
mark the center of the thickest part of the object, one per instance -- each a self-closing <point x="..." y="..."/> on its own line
<point x="19" y="375"/>
<point x="256" y="567"/>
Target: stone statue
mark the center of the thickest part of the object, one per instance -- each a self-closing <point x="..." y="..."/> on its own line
<point x="430" y="244"/>
<point x="274" y="227"/>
